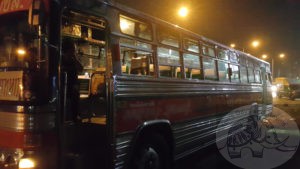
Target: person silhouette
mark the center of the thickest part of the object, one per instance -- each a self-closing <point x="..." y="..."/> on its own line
<point x="72" y="67"/>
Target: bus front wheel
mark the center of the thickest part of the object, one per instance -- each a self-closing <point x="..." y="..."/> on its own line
<point x="152" y="152"/>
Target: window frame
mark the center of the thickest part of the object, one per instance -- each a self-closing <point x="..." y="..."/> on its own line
<point x="137" y="48"/>
<point x="239" y="73"/>
<point x="227" y="77"/>
<point x="215" y="75"/>
<point x="161" y="31"/>
<point x="179" y="65"/>
<point x="135" y="20"/>
<point x="208" y="46"/>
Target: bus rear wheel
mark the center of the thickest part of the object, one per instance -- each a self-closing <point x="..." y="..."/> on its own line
<point x="152" y="153"/>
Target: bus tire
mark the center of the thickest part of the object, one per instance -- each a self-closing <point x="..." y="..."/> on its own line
<point x="152" y="152"/>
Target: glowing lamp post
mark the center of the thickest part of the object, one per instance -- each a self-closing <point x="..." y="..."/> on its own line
<point x="255" y="43"/>
<point x="183" y="12"/>
<point x="232" y="45"/>
<point x="264" y="56"/>
<point x="281" y="56"/>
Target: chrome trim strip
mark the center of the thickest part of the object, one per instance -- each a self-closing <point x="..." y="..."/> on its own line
<point x="149" y="87"/>
<point x="191" y="136"/>
<point x="123" y="143"/>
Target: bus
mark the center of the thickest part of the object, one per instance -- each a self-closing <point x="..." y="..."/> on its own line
<point x="149" y="92"/>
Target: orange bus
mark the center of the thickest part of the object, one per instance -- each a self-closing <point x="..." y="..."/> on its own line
<point x="149" y="92"/>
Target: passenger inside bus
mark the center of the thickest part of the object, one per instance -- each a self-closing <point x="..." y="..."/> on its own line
<point x="72" y="67"/>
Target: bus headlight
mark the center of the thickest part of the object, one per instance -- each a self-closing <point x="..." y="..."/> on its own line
<point x="21" y="51"/>
<point x="27" y="163"/>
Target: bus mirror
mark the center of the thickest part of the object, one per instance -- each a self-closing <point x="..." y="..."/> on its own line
<point x="34" y="13"/>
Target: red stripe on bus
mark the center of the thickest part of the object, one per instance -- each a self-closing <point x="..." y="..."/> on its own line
<point x="11" y="139"/>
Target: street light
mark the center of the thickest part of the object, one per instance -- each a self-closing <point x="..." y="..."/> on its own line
<point x="183" y="11"/>
<point x="255" y="43"/>
<point x="265" y="56"/>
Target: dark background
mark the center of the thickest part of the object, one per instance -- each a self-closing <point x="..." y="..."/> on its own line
<point x="276" y="23"/>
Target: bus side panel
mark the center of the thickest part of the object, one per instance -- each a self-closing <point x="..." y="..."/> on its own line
<point x="193" y="109"/>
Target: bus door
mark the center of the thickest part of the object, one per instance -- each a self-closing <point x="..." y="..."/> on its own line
<point x="83" y="84"/>
<point x="266" y="86"/>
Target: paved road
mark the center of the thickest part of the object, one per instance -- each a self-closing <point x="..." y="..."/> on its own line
<point x="210" y="158"/>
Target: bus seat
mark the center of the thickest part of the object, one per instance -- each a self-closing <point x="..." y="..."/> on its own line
<point x="210" y="74"/>
<point x="222" y="75"/>
<point x="165" y="71"/>
<point x="196" y="74"/>
<point x="97" y="83"/>
<point x="84" y="89"/>
<point x="178" y="72"/>
<point x="151" y="69"/>
<point x="125" y="69"/>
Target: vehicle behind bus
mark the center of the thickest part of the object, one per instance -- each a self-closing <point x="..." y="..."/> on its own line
<point x="287" y="88"/>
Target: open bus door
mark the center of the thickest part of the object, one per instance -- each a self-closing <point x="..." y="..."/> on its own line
<point x="266" y="82"/>
<point x="84" y="99"/>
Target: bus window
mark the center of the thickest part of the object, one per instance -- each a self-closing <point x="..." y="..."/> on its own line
<point x="191" y="45"/>
<point x="208" y="50"/>
<point x="134" y="27"/>
<point x="233" y="57"/>
<point x="209" y="67"/>
<point x="235" y="74"/>
<point x="223" y="71"/>
<point x="169" y="63"/>
<point x="222" y="54"/>
<point x="135" y="44"/>
<point x="17" y="36"/>
<point x="257" y="76"/>
<point x="136" y="62"/>
<point x="251" y="77"/>
<point x="168" y="38"/>
<point x="244" y="75"/>
<point x="91" y="56"/>
<point x="243" y="59"/>
<point x="192" y="66"/>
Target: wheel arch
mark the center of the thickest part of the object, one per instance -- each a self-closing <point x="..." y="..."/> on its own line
<point x="148" y="128"/>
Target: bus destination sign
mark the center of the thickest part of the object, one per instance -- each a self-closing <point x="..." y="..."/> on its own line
<point x="7" y="6"/>
<point x="10" y="85"/>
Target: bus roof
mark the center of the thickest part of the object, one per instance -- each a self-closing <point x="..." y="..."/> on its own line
<point x="144" y="16"/>
<point x="183" y="30"/>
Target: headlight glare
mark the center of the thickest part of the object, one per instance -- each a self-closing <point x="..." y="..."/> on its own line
<point x="26" y="163"/>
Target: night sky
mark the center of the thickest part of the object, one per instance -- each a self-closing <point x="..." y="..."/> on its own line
<point x="276" y="23"/>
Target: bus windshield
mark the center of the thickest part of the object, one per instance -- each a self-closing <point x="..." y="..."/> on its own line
<point x="18" y="49"/>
